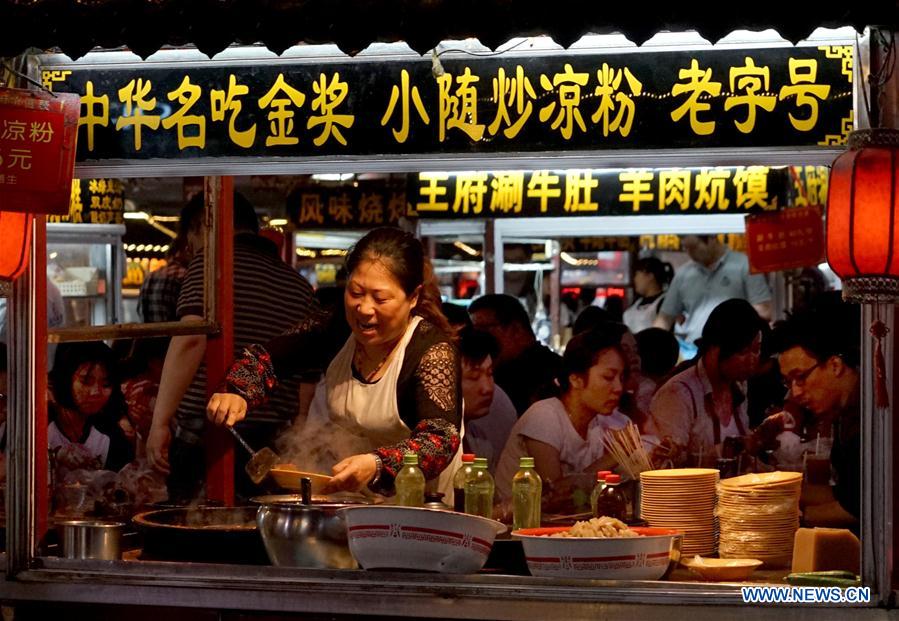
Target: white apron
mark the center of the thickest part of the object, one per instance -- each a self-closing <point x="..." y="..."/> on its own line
<point x="638" y="318"/>
<point x="365" y="416"/>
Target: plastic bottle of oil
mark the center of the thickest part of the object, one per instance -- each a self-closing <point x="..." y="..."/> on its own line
<point x="479" y="489"/>
<point x="410" y="483"/>
<point x="527" y="492"/>
<point x="459" y="481"/>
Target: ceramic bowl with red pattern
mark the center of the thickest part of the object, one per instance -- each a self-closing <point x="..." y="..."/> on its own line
<point x="388" y="537"/>
<point x="646" y="557"/>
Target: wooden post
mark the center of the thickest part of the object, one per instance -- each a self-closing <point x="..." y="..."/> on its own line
<point x="219" y="193"/>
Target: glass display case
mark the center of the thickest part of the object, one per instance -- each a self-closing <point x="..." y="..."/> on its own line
<point x="85" y="262"/>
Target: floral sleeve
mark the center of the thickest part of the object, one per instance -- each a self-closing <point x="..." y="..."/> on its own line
<point x="305" y="349"/>
<point x="252" y="376"/>
<point x="434" y="440"/>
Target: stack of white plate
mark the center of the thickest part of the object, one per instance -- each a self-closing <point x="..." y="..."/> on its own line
<point x="758" y="516"/>
<point x="683" y="499"/>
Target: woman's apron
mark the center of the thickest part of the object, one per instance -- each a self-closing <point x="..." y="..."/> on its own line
<point x="365" y="416"/>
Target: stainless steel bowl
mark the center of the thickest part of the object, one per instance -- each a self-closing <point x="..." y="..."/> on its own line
<point x="298" y="535"/>
<point x="89" y="539"/>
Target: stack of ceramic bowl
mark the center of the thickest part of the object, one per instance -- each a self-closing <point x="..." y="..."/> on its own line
<point x="683" y="499"/>
<point x="758" y="516"/>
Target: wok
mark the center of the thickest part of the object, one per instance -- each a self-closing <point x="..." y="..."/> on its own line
<point x="202" y="535"/>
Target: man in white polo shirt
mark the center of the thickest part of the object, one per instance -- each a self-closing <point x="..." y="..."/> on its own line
<point x="714" y="275"/>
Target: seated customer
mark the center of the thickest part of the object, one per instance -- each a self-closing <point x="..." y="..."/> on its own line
<point x="819" y="358"/>
<point x="698" y="408"/>
<point x="488" y="411"/>
<point x="85" y="409"/>
<point x="658" y="351"/>
<point x="524" y="368"/>
<point x="564" y="434"/>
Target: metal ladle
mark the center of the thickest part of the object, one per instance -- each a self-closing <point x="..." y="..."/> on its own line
<point x="261" y="462"/>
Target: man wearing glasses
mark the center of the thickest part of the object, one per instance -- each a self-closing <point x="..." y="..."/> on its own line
<point x="819" y="358"/>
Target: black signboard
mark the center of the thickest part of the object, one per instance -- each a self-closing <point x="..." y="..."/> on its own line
<point x="789" y="96"/>
<point x="346" y="207"/>
<point x="95" y="201"/>
<point x="809" y="185"/>
<point x="629" y="191"/>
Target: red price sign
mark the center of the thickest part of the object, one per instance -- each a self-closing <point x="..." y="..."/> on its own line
<point x="785" y="239"/>
<point x="38" y="132"/>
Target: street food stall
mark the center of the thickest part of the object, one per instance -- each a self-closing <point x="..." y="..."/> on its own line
<point x="555" y="120"/>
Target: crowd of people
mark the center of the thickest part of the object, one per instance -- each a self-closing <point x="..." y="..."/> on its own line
<point x="392" y="370"/>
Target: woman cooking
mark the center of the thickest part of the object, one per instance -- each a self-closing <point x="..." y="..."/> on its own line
<point x="394" y="386"/>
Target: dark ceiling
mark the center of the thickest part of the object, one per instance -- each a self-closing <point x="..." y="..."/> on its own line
<point x="146" y="25"/>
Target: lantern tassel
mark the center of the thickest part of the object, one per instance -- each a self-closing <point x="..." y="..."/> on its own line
<point x="881" y="395"/>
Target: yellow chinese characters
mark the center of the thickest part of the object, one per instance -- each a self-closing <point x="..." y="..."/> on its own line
<point x="13" y="131"/>
<point x="470" y="190"/>
<point x="340" y="208"/>
<point x="611" y="97"/>
<point x="371" y="209"/>
<point x="579" y="188"/>
<point x="187" y="95"/>
<point x="698" y="86"/>
<point x="508" y="192"/>
<point x="803" y="73"/>
<point x="329" y="95"/>
<point x="753" y="83"/>
<point x="459" y="108"/>
<point x="635" y="187"/>
<point x="91" y="116"/>
<point x="674" y="188"/>
<point x="543" y="186"/>
<point x="512" y="95"/>
<point x="568" y="84"/>
<point x="405" y="96"/>
<point x="431" y="190"/>
<point x="222" y="102"/>
<point x="280" y="99"/>
<point x="752" y="187"/>
<point x="711" y="188"/>
<point x="311" y="209"/>
<point x="134" y="96"/>
<point x="41" y="132"/>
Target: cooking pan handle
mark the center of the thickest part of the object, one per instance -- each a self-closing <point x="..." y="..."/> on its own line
<point x="306" y="490"/>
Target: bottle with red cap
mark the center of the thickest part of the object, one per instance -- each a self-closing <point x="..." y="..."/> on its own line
<point x="459" y="482"/>
<point x="597" y="489"/>
<point x="611" y="501"/>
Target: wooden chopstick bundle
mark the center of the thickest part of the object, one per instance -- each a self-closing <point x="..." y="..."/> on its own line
<point x="626" y="447"/>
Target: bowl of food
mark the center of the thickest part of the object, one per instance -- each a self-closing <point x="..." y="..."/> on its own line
<point x="600" y="549"/>
<point x="722" y="569"/>
<point x="390" y="537"/>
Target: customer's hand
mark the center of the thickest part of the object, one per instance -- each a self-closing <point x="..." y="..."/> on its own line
<point x="158" y="448"/>
<point x="225" y="408"/>
<point x="352" y="474"/>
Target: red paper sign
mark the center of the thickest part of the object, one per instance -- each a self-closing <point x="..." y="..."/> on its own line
<point x="785" y="239"/>
<point x="38" y="132"/>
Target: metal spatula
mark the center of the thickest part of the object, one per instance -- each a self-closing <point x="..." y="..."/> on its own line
<point x="261" y="462"/>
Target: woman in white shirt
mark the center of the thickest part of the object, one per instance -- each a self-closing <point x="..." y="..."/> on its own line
<point x="651" y="278"/>
<point x="564" y="434"/>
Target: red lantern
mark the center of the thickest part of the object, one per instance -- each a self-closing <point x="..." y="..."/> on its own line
<point x="863" y="217"/>
<point x="15" y="242"/>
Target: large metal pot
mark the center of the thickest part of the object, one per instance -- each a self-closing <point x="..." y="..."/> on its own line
<point x="202" y="534"/>
<point x="304" y="535"/>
